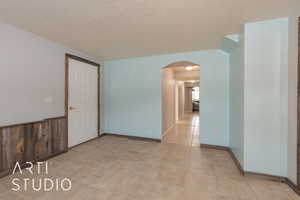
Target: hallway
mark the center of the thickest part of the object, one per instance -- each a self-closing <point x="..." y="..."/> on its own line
<point x="185" y="132"/>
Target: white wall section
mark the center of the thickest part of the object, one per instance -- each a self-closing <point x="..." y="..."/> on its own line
<point x="168" y="99"/>
<point x="181" y="102"/>
<point x="32" y="76"/>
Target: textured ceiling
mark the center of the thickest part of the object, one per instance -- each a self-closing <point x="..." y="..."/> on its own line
<point x="111" y="29"/>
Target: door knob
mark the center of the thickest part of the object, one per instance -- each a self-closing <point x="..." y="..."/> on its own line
<point x="72" y="108"/>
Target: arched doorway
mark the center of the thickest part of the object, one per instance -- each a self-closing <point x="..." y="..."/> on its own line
<point x="180" y="103"/>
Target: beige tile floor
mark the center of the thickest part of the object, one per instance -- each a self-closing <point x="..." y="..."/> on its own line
<point x="185" y="132"/>
<point x="117" y="168"/>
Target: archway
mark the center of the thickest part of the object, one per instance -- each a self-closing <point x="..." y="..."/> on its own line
<point x="180" y="117"/>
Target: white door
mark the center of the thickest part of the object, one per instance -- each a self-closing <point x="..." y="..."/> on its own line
<point x="83" y="102"/>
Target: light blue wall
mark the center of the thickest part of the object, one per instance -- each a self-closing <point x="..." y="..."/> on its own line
<point x="292" y="96"/>
<point x="236" y="88"/>
<point x="133" y="95"/>
<point x="265" y="97"/>
<point x="259" y="96"/>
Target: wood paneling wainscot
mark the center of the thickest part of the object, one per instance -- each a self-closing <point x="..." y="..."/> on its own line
<point x="32" y="142"/>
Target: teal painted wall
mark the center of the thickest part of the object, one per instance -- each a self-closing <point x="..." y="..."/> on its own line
<point x="292" y="92"/>
<point x="265" y="97"/>
<point x="133" y="95"/>
<point x="236" y="93"/>
<point x="259" y="97"/>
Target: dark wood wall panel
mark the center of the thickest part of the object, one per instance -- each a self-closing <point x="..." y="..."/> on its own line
<point x="40" y="141"/>
<point x="32" y="142"/>
<point x="59" y="138"/>
<point x="28" y="143"/>
<point x="13" y="146"/>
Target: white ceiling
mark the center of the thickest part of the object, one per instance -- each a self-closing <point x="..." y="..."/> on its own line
<point x="182" y="69"/>
<point x="181" y="74"/>
<point x="180" y="66"/>
<point x="111" y="29"/>
<point x="187" y="75"/>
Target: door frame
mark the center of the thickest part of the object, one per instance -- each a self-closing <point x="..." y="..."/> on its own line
<point x="67" y="57"/>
